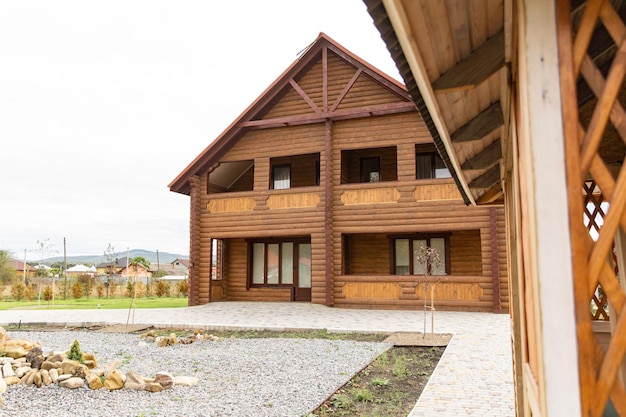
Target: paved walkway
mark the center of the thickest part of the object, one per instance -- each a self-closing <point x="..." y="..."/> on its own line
<point x="474" y="376"/>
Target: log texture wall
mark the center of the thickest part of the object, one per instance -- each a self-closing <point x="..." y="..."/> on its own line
<point x="340" y="206"/>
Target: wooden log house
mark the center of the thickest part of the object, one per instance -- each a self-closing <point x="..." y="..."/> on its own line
<point x="525" y="100"/>
<point x="324" y="189"/>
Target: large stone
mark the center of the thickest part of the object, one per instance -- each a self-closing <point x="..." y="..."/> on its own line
<point x="153" y="387"/>
<point x="161" y="341"/>
<point x="7" y="370"/>
<point x="37" y="380"/>
<point x="93" y="381"/>
<point x="114" y="381"/>
<point x="134" y="381"/>
<point x="185" y="381"/>
<point x="90" y="360"/>
<point x="22" y="370"/>
<point x="64" y="377"/>
<point x="69" y="366"/>
<point x="172" y="339"/>
<point x="111" y="368"/>
<point x="47" y="365"/>
<point x="29" y="378"/>
<point x="3" y="385"/>
<point x="45" y="377"/>
<point x="12" y="380"/>
<point x="56" y="357"/>
<point x="165" y="379"/>
<point x="72" y="383"/>
<point x="18" y="348"/>
<point x="35" y="357"/>
<point x="54" y="375"/>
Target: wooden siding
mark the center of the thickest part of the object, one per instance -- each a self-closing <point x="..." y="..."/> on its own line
<point x="369" y="254"/>
<point x="368" y="212"/>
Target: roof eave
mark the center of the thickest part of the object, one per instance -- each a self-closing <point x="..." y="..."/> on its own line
<point x="388" y="17"/>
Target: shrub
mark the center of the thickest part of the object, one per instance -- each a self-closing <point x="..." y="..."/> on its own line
<point x="140" y="289"/>
<point x="88" y="282"/>
<point x="130" y="287"/>
<point x="47" y="293"/>
<point x="77" y="290"/>
<point x="161" y="289"/>
<point x="18" y="291"/>
<point x="183" y="288"/>
<point x="75" y="353"/>
<point x="30" y="292"/>
<point x="100" y="290"/>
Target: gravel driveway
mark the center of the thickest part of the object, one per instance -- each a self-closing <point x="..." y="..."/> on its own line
<point x="238" y="377"/>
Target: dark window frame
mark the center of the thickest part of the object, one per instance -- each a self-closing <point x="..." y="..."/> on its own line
<point x="273" y="177"/>
<point x="365" y="176"/>
<point x="436" y="162"/>
<point x="411" y="238"/>
<point x="250" y="261"/>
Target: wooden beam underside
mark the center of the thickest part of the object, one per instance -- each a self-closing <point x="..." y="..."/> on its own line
<point x="480" y="126"/>
<point x="470" y="72"/>
<point x="485" y="158"/>
<point x="488" y="179"/>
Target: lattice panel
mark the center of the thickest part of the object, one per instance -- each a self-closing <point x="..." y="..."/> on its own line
<point x="594" y="214"/>
<point x="603" y="72"/>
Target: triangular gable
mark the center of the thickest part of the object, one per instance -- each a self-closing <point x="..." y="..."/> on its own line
<point x="297" y="97"/>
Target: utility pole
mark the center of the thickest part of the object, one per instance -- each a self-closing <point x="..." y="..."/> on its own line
<point x="158" y="262"/>
<point x="24" y="267"/>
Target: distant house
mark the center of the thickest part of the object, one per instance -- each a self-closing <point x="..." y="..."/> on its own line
<point x="135" y="271"/>
<point x="112" y="268"/>
<point x="81" y="269"/>
<point x="19" y="267"/>
<point x="176" y="271"/>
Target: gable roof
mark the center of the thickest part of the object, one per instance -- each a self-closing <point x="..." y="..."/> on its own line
<point x="258" y="109"/>
<point x="19" y="265"/>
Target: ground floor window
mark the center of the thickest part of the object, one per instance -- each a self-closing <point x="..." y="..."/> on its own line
<point x="406" y="249"/>
<point x="280" y="262"/>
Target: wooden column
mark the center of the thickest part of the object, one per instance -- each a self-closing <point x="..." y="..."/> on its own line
<point x="495" y="264"/>
<point x="194" y="243"/>
<point x="328" y="202"/>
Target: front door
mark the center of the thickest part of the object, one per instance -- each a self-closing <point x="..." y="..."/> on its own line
<point x="302" y="287"/>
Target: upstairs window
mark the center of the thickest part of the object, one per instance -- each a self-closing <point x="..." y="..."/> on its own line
<point x="294" y="171"/>
<point x="370" y="169"/>
<point x="428" y="164"/>
<point x="281" y="177"/>
<point x="369" y="165"/>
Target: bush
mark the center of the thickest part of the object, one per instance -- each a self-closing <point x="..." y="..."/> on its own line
<point x="75" y="353"/>
<point x="140" y="289"/>
<point x="47" y="293"/>
<point x="77" y="290"/>
<point x="100" y="290"/>
<point x="88" y="282"/>
<point x="162" y="289"/>
<point x="183" y="288"/>
<point x="18" y="291"/>
<point x="130" y="287"/>
<point x="30" y="292"/>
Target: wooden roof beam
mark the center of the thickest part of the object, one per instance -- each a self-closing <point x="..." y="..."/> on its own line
<point x="485" y="158"/>
<point x="478" y="66"/>
<point x="492" y="195"/>
<point x="376" y="110"/>
<point x="488" y="179"/>
<point x="480" y="126"/>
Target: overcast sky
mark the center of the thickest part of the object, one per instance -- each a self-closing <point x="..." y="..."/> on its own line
<point x="103" y="104"/>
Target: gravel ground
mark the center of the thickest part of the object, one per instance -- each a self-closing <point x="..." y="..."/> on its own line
<point x="238" y="377"/>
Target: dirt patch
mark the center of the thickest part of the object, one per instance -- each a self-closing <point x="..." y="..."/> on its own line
<point x="123" y="328"/>
<point x="419" y="339"/>
<point x="388" y="387"/>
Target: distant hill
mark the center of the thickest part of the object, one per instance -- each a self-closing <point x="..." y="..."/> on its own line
<point x="151" y="256"/>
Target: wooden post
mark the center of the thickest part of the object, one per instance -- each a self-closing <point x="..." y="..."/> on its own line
<point x="495" y="264"/>
<point x="328" y="196"/>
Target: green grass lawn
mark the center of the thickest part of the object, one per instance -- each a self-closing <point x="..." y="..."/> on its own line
<point x="94" y="303"/>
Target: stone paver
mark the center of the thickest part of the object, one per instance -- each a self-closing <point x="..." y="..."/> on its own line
<point x="473" y="378"/>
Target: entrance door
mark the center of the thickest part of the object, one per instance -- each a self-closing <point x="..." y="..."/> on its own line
<point x="302" y="289"/>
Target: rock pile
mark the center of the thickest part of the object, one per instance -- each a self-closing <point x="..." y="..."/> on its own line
<point x="25" y="363"/>
<point x="162" y="341"/>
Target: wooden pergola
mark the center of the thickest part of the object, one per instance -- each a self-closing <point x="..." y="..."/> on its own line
<point x="525" y="100"/>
